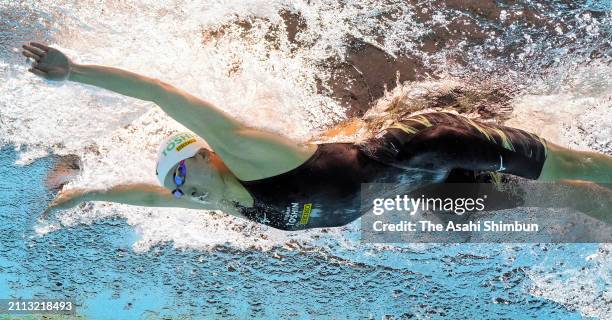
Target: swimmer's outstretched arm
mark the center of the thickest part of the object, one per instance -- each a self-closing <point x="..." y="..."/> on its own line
<point x="587" y="197"/>
<point x="249" y="153"/>
<point x="584" y="196"/>
<point x="138" y="194"/>
<point x="564" y="163"/>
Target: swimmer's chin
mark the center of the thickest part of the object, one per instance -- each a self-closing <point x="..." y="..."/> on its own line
<point x="202" y="199"/>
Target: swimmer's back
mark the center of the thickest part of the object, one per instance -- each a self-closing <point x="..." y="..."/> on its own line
<point x="325" y="190"/>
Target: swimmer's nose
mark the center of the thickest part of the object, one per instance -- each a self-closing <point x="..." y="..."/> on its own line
<point x="192" y="192"/>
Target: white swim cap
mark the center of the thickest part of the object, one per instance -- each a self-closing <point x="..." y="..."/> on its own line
<point x="177" y="147"/>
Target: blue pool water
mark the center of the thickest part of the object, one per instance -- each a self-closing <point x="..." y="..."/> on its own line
<point x="95" y="265"/>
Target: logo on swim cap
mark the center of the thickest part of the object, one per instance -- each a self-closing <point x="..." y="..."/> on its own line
<point x="177" y="147"/>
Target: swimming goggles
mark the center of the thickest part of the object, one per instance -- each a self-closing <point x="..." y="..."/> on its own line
<point x="179" y="179"/>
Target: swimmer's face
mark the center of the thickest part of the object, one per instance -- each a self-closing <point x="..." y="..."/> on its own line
<point x="203" y="183"/>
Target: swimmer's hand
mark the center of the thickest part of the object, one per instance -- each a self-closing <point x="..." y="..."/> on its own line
<point x="66" y="200"/>
<point x="49" y="63"/>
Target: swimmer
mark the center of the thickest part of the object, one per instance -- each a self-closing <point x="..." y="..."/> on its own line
<point x="223" y="164"/>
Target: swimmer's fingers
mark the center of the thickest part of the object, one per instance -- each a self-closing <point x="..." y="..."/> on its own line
<point x="39" y="46"/>
<point x="45" y="215"/>
<point x="54" y="208"/>
<point x="49" y="63"/>
<point x="51" y="210"/>
<point x="67" y="199"/>
<point x="37" y="51"/>
<point x="38" y="72"/>
<point x="29" y="54"/>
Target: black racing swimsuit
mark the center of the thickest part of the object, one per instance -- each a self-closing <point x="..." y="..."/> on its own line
<point x="325" y="190"/>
